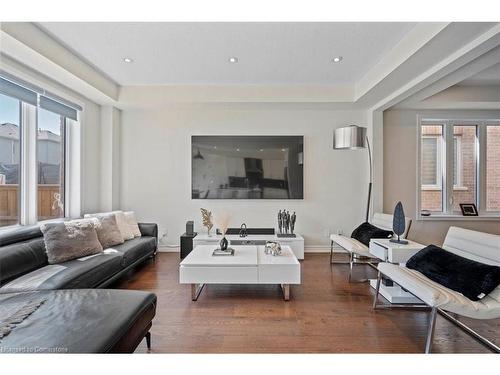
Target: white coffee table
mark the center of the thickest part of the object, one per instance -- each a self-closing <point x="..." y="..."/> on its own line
<point x="248" y="265"/>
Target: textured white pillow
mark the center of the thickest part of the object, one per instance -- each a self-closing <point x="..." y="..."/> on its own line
<point x="121" y="221"/>
<point x="70" y="240"/>
<point x="132" y="222"/>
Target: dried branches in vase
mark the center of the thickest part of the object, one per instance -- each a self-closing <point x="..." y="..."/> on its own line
<point x="207" y="219"/>
<point x="222" y="221"/>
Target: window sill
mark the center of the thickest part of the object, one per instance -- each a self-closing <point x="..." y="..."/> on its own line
<point x="458" y="217"/>
<point x="431" y="188"/>
<point x="14" y="227"/>
<point x="438" y="188"/>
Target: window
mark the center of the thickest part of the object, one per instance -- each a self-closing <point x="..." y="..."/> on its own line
<point x="10" y="157"/>
<point x="464" y="165"/>
<point x="431" y="172"/>
<point x="431" y="149"/>
<point x="457" y="161"/>
<point x="493" y="168"/>
<point x="33" y="153"/>
<point x="453" y="169"/>
<point x="50" y="152"/>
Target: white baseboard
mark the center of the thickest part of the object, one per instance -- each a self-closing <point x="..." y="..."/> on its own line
<point x="321" y="249"/>
<point x="168" y="249"/>
<point x="307" y="249"/>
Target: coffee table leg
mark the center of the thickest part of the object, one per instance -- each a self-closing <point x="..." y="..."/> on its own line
<point x="286" y="291"/>
<point x="196" y="290"/>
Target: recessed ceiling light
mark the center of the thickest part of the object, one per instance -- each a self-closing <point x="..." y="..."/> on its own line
<point x="233" y="60"/>
<point x="261" y="150"/>
<point x="337" y="59"/>
<point x="127" y="60"/>
<point x="238" y="149"/>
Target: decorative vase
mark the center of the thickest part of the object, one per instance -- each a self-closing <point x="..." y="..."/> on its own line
<point x="223" y="243"/>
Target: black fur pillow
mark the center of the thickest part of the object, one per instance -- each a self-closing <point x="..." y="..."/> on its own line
<point x="473" y="279"/>
<point x="366" y="231"/>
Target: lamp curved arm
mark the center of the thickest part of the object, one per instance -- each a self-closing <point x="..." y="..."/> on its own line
<point x="371" y="179"/>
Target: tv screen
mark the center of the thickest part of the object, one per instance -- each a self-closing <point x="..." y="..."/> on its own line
<point x="247" y="167"/>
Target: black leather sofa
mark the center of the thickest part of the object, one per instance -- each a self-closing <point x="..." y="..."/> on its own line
<point x="24" y="266"/>
<point x="77" y="315"/>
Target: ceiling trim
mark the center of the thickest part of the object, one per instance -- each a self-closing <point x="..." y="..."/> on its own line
<point x="420" y="35"/>
<point x="152" y="96"/>
<point x="447" y="83"/>
<point x="29" y="45"/>
<point x="465" y="55"/>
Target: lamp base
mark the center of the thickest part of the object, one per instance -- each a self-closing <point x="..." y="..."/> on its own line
<point x="401" y="242"/>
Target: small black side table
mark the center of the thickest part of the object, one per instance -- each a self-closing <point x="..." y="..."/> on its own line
<point x="187" y="244"/>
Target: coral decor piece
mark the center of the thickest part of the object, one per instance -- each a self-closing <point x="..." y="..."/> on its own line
<point x="222" y="220"/>
<point x="207" y="219"/>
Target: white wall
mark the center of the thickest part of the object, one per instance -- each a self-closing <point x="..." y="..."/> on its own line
<point x="400" y="171"/>
<point x="156" y="166"/>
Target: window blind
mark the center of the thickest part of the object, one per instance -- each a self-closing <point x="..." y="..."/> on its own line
<point x="11" y="89"/>
<point x="57" y="107"/>
<point x="17" y="88"/>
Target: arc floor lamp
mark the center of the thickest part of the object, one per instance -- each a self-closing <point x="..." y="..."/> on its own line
<point x="354" y="137"/>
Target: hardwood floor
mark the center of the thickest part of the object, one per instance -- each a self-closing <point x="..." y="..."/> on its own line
<point x="326" y="314"/>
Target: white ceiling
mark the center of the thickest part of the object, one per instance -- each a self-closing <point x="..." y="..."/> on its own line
<point x="197" y="53"/>
<point x="488" y="77"/>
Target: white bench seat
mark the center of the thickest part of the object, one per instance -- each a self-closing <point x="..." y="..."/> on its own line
<point x="358" y="249"/>
<point x="473" y="245"/>
<point x="437" y="295"/>
<point x="351" y="245"/>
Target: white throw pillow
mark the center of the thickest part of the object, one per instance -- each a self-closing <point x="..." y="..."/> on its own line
<point x="121" y="221"/>
<point x="132" y="222"/>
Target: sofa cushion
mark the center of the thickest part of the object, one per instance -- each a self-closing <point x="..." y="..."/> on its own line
<point x="19" y="258"/>
<point x="70" y="240"/>
<point x="473" y="279"/>
<point x="76" y="321"/>
<point x="133" y="250"/>
<point x="20" y="234"/>
<point x="86" y="272"/>
<point x="366" y="231"/>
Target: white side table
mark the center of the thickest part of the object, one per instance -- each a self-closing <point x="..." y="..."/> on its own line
<point x="399" y="254"/>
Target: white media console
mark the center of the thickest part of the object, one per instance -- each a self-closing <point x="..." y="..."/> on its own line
<point x="296" y="243"/>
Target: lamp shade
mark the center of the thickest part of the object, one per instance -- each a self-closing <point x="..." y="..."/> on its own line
<point x="349" y="138"/>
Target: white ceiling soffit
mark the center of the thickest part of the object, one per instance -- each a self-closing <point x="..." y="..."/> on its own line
<point x="487" y="77"/>
<point x="454" y="46"/>
<point x="452" y="92"/>
<point x="27" y="44"/>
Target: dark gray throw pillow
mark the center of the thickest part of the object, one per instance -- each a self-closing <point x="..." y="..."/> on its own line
<point x="473" y="279"/>
<point x="70" y="240"/>
<point x="366" y="231"/>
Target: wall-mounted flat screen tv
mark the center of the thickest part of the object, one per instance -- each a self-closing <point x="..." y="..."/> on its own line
<point x="247" y="167"/>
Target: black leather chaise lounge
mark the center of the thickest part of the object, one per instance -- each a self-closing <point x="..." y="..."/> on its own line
<point x="80" y="321"/>
<point x="71" y="316"/>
